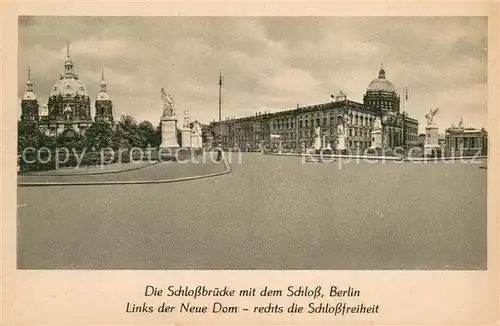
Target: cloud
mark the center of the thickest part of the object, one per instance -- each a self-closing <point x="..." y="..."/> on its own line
<point x="267" y="62"/>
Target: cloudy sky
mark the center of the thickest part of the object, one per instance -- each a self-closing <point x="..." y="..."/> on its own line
<point x="267" y="63"/>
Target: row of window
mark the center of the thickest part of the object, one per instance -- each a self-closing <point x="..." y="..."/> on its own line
<point x="383" y="104"/>
<point x="355" y="120"/>
<point x="352" y="132"/>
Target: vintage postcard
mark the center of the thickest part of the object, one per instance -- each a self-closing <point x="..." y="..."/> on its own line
<point x="250" y="163"/>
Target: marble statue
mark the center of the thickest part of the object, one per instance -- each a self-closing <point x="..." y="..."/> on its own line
<point x="196" y="128"/>
<point x="317" y="131"/>
<point x="67" y="112"/>
<point x="340" y="129"/>
<point x="430" y="116"/>
<point x="168" y="104"/>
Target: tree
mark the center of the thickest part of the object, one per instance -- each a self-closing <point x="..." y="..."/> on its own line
<point x="99" y="135"/>
<point x="146" y="133"/>
<point x="73" y="142"/>
<point x="156" y="141"/>
<point x="29" y="135"/>
<point x="126" y="134"/>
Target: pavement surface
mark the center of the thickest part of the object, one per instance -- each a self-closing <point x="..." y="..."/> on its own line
<point x="142" y="172"/>
<point x="271" y="212"/>
<point x="84" y="170"/>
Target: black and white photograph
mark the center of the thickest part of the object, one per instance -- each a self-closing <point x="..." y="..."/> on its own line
<point x="252" y="143"/>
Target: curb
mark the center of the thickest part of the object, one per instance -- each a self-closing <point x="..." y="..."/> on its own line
<point x="92" y="173"/>
<point x="49" y="184"/>
<point x="387" y="158"/>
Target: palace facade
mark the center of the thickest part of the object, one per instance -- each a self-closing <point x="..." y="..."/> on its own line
<point x="68" y="111"/>
<point x="465" y="141"/>
<point x="295" y="129"/>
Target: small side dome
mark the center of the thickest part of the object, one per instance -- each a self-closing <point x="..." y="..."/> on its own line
<point x="29" y="96"/>
<point x="103" y="96"/>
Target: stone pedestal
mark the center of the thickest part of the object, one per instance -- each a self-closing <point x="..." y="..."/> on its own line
<point x="169" y="132"/>
<point x="192" y="140"/>
<point x="341" y="143"/>
<point x="431" y="139"/>
<point x="186" y="138"/>
<point x="376" y="139"/>
<point x="199" y="141"/>
<point x="195" y="140"/>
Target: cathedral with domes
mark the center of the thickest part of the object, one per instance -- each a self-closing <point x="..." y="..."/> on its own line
<point x="296" y="129"/>
<point x="68" y="110"/>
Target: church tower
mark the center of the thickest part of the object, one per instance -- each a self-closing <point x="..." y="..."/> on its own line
<point x="29" y="102"/>
<point x="103" y="104"/>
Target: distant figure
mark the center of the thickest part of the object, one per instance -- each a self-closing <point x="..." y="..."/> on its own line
<point x="219" y="154"/>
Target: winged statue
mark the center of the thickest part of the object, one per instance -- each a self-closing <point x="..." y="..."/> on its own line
<point x="168" y="104"/>
<point x="430" y="116"/>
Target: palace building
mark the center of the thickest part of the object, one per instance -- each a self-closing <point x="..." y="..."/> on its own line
<point x="68" y="111"/>
<point x="295" y="129"/>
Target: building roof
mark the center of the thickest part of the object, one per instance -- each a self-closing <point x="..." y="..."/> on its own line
<point x="381" y="84"/>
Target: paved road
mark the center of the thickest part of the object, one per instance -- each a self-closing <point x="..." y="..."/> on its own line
<point x="269" y="213"/>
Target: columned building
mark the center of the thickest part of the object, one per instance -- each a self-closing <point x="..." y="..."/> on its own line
<point x="68" y="111"/>
<point x="296" y="128"/>
<point x="466" y="141"/>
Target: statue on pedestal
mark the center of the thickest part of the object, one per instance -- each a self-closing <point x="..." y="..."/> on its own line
<point x="430" y="116"/>
<point x="168" y="104"/>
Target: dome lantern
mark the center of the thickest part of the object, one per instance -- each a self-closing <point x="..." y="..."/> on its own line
<point x="381" y="73"/>
<point x="68" y="64"/>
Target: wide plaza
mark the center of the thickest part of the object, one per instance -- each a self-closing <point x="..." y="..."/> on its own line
<point x="270" y="212"/>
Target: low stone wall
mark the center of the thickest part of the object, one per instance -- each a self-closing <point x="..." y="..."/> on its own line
<point x="376" y="157"/>
<point x="47" y="161"/>
<point x="176" y="154"/>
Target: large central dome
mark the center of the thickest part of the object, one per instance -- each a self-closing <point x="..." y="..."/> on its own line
<point x="381" y="94"/>
<point x="68" y="99"/>
<point x="381" y="84"/>
<point x="68" y="83"/>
